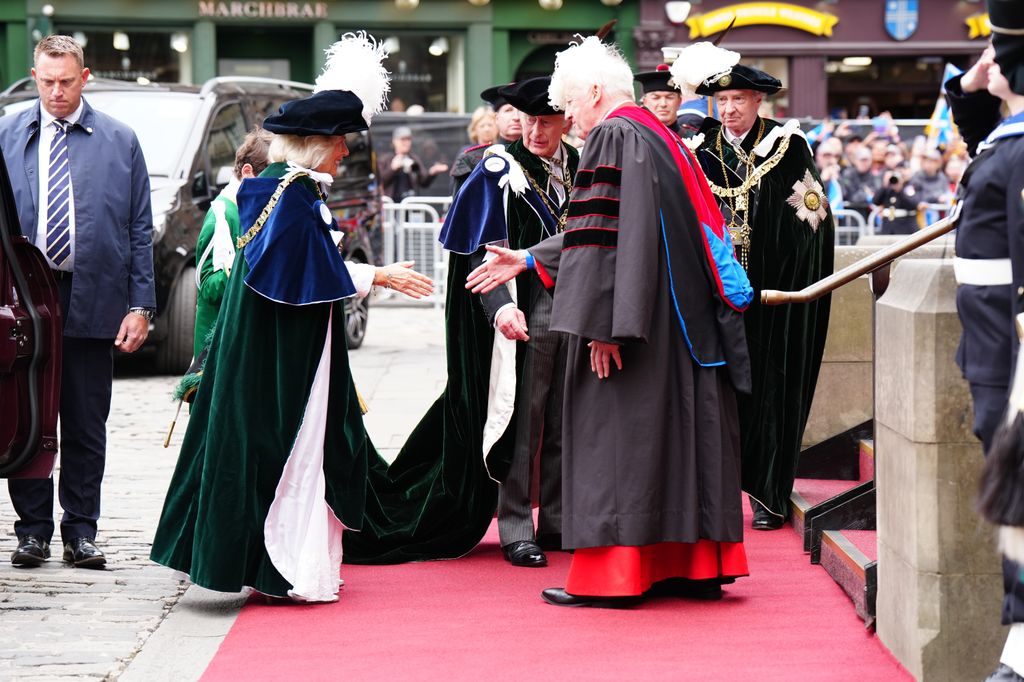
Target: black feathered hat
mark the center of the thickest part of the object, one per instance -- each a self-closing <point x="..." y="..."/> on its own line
<point x="741" y="77"/>
<point x="530" y="96"/>
<point x="1007" y="20"/>
<point x="351" y="89"/>
<point x="655" y="81"/>
<point x="330" y="112"/>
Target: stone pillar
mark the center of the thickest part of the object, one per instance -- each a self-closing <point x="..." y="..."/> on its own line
<point x="939" y="580"/>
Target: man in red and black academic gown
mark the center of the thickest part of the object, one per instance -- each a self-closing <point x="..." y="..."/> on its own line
<point x="645" y="279"/>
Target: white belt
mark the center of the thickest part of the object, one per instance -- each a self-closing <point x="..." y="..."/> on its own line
<point x="983" y="272"/>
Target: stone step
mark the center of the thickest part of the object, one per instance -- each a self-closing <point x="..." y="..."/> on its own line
<point x="851" y="558"/>
<point x="867" y="459"/>
<point x="809" y="492"/>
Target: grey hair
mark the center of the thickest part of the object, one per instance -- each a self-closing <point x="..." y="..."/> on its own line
<point x="308" y="151"/>
<point x="585" y="64"/>
<point x="58" y="46"/>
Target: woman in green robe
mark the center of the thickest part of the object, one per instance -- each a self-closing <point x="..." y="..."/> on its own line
<point x="274" y="462"/>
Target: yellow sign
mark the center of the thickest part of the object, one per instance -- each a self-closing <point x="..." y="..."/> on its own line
<point x="761" y="13"/>
<point x="978" y="26"/>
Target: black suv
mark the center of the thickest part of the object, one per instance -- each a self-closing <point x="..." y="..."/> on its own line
<point x="189" y="135"/>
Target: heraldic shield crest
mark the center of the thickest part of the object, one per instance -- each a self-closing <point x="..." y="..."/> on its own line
<point x="900" y="18"/>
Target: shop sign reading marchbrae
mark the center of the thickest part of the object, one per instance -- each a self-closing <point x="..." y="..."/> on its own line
<point x="264" y="10"/>
<point x="771" y="13"/>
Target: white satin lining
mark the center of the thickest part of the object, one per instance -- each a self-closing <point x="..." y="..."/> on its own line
<point x="302" y="534"/>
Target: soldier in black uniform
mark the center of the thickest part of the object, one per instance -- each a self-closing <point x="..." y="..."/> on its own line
<point x="988" y="238"/>
<point x="509" y="130"/>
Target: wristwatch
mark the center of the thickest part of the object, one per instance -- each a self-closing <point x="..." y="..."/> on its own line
<point x="145" y="312"/>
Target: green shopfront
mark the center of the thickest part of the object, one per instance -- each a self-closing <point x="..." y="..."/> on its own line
<point x="443" y="52"/>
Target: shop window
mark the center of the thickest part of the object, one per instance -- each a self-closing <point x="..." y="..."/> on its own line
<point x="427" y="71"/>
<point x="906" y="87"/>
<point x="135" y="55"/>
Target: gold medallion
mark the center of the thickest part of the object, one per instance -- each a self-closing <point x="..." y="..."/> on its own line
<point x="812" y="200"/>
<point x="725" y="81"/>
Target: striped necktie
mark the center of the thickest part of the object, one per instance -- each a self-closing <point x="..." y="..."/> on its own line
<point x="58" y="201"/>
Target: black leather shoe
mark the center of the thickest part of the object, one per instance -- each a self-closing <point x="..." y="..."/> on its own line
<point x="559" y="597"/>
<point x="764" y="519"/>
<point x="524" y="553"/>
<point x="1004" y="673"/>
<point x="32" y="551"/>
<point x="705" y="590"/>
<point x="83" y="553"/>
<point x="550" y="542"/>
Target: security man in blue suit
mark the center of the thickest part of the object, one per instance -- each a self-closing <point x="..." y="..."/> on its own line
<point x="82" y="193"/>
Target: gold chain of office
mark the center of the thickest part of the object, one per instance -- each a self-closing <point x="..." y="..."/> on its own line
<point x="269" y="208"/>
<point x="566" y="184"/>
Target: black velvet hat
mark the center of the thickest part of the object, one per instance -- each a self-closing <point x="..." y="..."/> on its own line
<point x="655" y="81"/>
<point x="328" y="112"/>
<point x="530" y="96"/>
<point x="1007" y="20"/>
<point x="741" y="77"/>
<point x="493" y="97"/>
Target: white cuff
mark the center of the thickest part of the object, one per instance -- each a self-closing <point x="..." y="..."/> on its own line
<point x="500" y="311"/>
<point x="362" y="276"/>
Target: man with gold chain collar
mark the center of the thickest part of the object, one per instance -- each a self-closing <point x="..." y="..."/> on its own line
<point x="503" y="400"/>
<point x="766" y="183"/>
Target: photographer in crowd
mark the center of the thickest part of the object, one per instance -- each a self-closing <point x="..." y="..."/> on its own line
<point x="898" y="200"/>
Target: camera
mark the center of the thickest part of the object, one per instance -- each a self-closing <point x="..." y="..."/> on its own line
<point x="893" y="179"/>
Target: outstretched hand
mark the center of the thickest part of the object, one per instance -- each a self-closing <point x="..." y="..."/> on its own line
<point x="402" y="278"/>
<point x="505" y="265"/>
<point x="601" y="355"/>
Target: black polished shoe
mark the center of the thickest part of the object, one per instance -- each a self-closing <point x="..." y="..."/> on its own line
<point x="559" y="597"/>
<point x="83" y="553"/>
<point x="524" y="553"/>
<point x="764" y="519"/>
<point x="1004" y="673"/>
<point x="31" y="552"/>
<point x="550" y="542"/>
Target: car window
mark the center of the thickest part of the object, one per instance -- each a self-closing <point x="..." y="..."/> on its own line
<point x="161" y="120"/>
<point x="261" y="106"/>
<point x="226" y="134"/>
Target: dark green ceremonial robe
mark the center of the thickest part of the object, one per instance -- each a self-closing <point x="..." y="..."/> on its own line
<point x="437" y="498"/>
<point x="256" y="384"/>
<point x="786" y="252"/>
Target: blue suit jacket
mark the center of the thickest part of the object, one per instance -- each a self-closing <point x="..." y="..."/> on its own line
<point x="113" y="219"/>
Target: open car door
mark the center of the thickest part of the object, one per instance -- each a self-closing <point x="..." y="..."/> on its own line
<point x="30" y="347"/>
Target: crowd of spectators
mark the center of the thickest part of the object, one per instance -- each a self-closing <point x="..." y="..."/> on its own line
<point x="902" y="186"/>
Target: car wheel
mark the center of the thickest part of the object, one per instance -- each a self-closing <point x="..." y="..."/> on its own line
<point x="174" y="354"/>
<point x="357" y="315"/>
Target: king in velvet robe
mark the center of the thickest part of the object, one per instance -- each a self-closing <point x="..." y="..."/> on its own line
<point x="651" y="469"/>
<point x="437" y="499"/>
<point x="791" y="246"/>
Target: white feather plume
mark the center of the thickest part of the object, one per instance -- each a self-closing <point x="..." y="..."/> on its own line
<point x="700" y="62"/>
<point x="355" y="63"/>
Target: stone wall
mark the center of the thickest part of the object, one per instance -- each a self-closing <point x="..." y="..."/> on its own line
<point x="842" y="398"/>
<point x="939" y="580"/>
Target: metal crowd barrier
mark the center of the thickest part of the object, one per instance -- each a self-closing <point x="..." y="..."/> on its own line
<point x="850" y="226"/>
<point x="411" y="229"/>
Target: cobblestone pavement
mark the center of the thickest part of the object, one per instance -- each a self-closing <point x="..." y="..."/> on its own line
<point x="58" y="622"/>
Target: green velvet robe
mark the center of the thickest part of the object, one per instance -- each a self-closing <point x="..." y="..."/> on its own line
<point x="256" y="383"/>
<point x="787" y="341"/>
<point x="437" y="499"/>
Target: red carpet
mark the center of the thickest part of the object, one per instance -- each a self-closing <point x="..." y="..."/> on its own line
<point x="478" y="618"/>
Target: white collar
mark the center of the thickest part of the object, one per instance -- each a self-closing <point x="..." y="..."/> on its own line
<point x="556" y="159"/>
<point x="46" y="118"/>
<point x="325" y="179"/>
<point x="735" y="140"/>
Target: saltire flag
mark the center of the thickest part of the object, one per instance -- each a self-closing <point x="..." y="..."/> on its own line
<point x="941" y="129"/>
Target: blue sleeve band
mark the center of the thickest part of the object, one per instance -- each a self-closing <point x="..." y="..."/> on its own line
<point x="530" y="263"/>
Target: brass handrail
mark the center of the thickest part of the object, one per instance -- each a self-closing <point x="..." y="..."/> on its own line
<point x="864" y="265"/>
